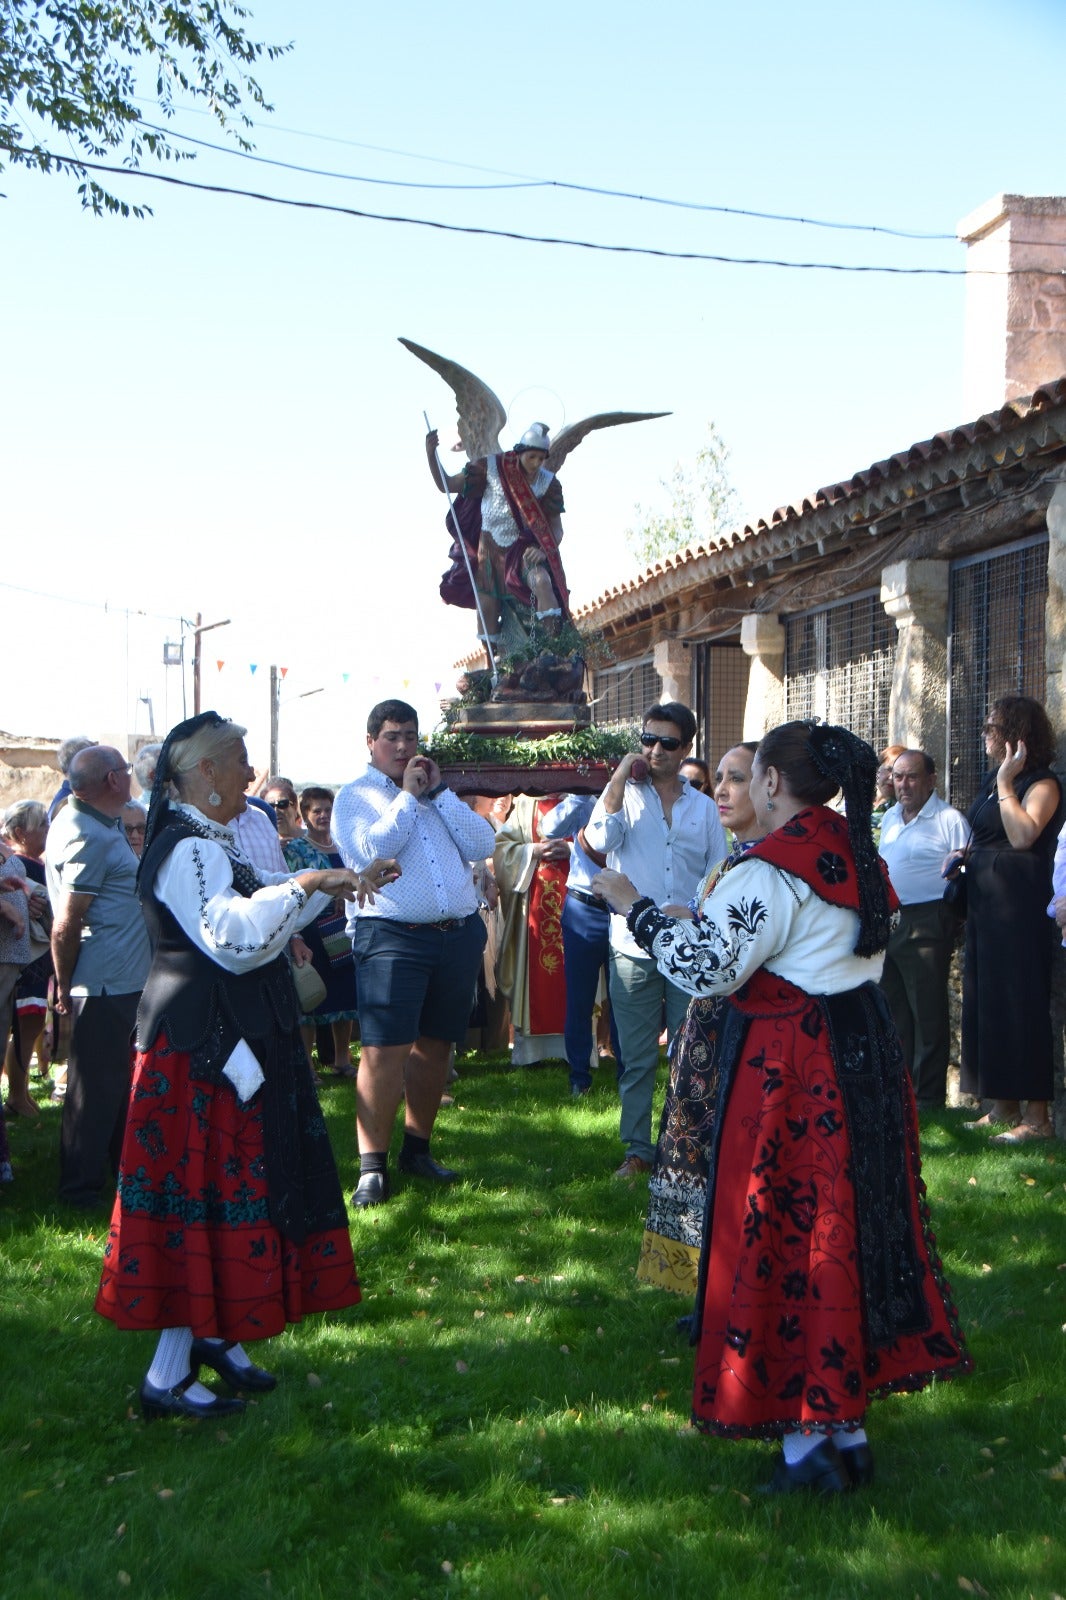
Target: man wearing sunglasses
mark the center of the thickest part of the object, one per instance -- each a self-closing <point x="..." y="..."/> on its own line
<point x="665" y="836"/>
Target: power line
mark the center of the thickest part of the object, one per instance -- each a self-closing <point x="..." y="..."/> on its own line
<point x="522" y="182"/>
<point x="92" y="605"/>
<point x="81" y="165"/>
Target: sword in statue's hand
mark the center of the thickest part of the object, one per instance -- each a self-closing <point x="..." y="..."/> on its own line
<point x="461" y="542"/>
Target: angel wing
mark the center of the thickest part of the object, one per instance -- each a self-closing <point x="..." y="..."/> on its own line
<point x="481" y="414"/>
<point x="571" y="437"/>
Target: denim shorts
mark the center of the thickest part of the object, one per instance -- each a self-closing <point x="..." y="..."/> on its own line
<point x="416" y="980"/>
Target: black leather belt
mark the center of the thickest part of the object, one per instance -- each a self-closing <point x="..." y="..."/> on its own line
<point x="442" y="927"/>
<point x="588" y="899"/>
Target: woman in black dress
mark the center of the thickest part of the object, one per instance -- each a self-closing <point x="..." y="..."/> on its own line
<point x="1006" y="986"/>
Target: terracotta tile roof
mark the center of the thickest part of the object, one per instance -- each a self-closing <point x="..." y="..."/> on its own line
<point x="1020" y="431"/>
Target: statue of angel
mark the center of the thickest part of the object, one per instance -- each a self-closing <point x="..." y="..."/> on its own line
<point x="507" y="513"/>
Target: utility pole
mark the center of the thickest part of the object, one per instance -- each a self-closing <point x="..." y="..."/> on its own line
<point x="275" y="709"/>
<point x="275" y="712"/>
<point x="200" y="628"/>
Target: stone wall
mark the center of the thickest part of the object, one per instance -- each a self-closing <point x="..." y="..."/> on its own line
<point x="28" y="769"/>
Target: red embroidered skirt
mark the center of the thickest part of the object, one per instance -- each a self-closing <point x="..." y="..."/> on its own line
<point x="191" y="1243"/>
<point x="783" y="1342"/>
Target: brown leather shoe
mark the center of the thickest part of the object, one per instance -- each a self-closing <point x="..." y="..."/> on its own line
<point x="633" y="1167"/>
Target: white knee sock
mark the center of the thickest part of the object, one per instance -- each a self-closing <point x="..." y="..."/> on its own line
<point x="237" y="1353"/>
<point x="849" y="1441"/>
<point x="171" y="1360"/>
<point x="797" y="1446"/>
<point x="171" y="1363"/>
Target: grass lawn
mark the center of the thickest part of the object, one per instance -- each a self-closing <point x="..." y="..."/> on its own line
<point x="506" y="1414"/>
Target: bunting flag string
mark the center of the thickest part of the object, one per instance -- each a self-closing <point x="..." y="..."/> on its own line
<point x="374" y="680"/>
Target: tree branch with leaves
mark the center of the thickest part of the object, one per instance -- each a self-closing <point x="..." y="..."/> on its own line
<point x="703" y="505"/>
<point x="84" y="69"/>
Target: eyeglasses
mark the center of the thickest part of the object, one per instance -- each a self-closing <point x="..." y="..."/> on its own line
<point x="126" y="768"/>
<point x="282" y="805"/>
<point x="992" y="727"/>
<point x="668" y="742"/>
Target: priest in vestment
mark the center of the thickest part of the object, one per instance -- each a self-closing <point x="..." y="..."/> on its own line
<point x="531" y="873"/>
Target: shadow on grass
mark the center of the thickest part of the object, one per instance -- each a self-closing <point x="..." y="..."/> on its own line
<point x="506" y="1412"/>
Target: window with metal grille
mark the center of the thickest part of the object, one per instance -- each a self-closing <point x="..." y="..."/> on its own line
<point x="721" y="694"/>
<point x="838" y="665"/>
<point x="622" y="693"/>
<point x="995" y="647"/>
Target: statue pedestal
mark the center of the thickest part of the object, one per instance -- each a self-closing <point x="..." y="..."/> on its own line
<point x="529" y="719"/>
<point x="553" y="777"/>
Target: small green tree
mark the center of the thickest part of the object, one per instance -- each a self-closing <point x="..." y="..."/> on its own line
<point x="703" y="505"/>
<point x="79" y="66"/>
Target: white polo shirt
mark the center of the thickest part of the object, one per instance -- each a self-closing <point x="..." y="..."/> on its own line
<point x="915" y="850"/>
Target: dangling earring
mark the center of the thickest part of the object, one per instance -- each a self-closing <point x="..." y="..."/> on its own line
<point x="770" y="804"/>
<point x="214" y="798"/>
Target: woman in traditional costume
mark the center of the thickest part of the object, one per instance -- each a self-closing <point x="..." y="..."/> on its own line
<point x="229" y="1222"/>
<point x="820" y="1285"/>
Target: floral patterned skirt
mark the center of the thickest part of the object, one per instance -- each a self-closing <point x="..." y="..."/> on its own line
<point x="677" y="1192"/>
<point x="785" y="1340"/>
<point x="191" y="1242"/>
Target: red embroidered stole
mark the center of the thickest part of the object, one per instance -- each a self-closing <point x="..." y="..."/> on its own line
<point x="529" y="514"/>
<point x="544" y="933"/>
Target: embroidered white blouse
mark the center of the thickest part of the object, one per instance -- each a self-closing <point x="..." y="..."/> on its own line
<point x="240" y="933"/>
<point x="759" y="916"/>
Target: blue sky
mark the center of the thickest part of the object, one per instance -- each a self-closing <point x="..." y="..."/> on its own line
<point x="209" y="410"/>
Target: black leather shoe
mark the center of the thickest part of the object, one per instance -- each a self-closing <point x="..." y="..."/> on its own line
<point x="578" y="1089"/>
<point x="256" y="1380"/>
<point x="176" y="1403"/>
<point x="859" y="1465"/>
<point x="424" y="1166"/>
<point x="821" y="1470"/>
<point x="371" y="1190"/>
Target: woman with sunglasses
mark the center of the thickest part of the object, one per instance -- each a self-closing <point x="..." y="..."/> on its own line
<point x="820" y="1285"/>
<point x="698" y="773"/>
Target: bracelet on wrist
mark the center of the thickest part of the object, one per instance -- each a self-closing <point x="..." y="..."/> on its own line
<point x="431" y="794"/>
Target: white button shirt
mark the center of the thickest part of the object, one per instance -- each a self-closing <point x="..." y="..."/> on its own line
<point x="435" y="842"/>
<point x="666" y="861"/>
<point x="914" y="851"/>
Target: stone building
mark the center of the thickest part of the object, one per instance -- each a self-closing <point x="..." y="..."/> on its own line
<point x="903" y="601"/>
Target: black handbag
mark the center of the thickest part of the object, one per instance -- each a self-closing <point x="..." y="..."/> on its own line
<point x="955" y="894"/>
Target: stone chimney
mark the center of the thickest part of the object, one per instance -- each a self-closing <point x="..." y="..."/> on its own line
<point x="1015" y="326"/>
